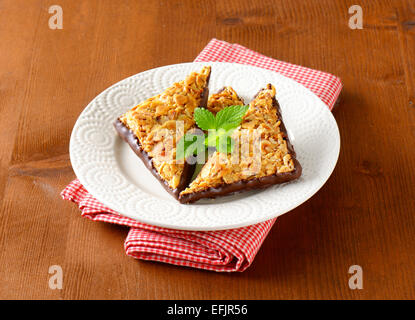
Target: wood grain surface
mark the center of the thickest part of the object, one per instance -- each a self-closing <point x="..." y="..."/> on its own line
<point x="364" y="215"/>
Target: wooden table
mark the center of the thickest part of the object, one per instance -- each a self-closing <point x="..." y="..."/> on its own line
<point x="364" y="215"/>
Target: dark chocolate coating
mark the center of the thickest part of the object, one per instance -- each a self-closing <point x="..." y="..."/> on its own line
<point x="256" y="183"/>
<point x="244" y="185"/>
<point x="128" y="136"/>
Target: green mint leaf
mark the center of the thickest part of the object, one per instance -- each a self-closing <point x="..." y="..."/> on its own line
<point x="204" y="119"/>
<point x="230" y="117"/>
<point x="220" y="129"/>
<point x="211" y="138"/>
<point x="189" y="144"/>
<point x="225" y="145"/>
<point x="221" y="140"/>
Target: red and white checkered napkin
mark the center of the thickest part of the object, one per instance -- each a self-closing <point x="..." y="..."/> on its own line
<point x="226" y="250"/>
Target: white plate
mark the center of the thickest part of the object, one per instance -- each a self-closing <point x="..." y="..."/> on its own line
<point x="110" y="171"/>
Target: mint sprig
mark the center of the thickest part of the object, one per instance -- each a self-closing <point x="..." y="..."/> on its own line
<point x="220" y="129"/>
<point x="204" y="119"/>
<point x="230" y="117"/>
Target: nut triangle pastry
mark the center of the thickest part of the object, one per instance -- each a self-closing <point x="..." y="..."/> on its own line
<point x="271" y="162"/>
<point x="150" y="129"/>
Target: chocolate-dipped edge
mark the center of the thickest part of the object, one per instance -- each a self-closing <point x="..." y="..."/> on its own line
<point x="257" y="183"/>
<point x="244" y="185"/>
<point x="129" y="136"/>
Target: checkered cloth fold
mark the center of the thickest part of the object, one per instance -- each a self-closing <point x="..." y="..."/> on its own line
<point x="225" y="250"/>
